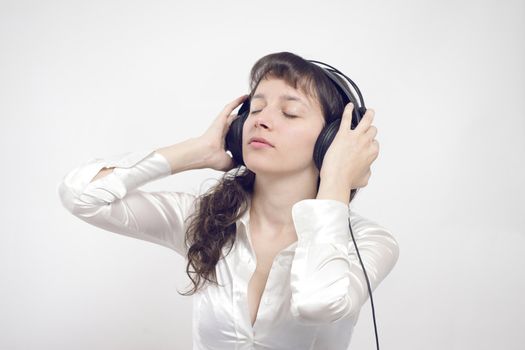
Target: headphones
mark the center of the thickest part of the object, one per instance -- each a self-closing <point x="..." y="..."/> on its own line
<point x="234" y="141"/>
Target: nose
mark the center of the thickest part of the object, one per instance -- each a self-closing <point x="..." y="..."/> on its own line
<point x="262" y="119"/>
<point x="259" y="122"/>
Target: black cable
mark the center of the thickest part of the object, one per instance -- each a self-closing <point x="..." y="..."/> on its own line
<point x="367" y="283"/>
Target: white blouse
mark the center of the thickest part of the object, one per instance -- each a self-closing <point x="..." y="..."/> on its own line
<point x="315" y="288"/>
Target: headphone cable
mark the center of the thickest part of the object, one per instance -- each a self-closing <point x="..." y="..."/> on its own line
<point x="367" y="283"/>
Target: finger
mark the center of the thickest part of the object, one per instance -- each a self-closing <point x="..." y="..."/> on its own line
<point x="231" y="118"/>
<point x="365" y="123"/>
<point x="376" y="143"/>
<point x="375" y="149"/>
<point x="237" y="101"/>
<point x="371" y="132"/>
<point x="346" y="120"/>
<point x="229" y="107"/>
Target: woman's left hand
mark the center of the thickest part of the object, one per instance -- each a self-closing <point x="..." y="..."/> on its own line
<point x="351" y="152"/>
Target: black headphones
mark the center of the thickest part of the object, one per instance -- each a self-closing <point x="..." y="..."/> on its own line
<point x="234" y="141"/>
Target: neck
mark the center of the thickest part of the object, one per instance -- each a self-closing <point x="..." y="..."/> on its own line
<point x="272" y="201"/>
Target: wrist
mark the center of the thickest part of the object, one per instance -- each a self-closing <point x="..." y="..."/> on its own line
<point x="186" y="155"/>
<point x="333" y="189"/>
<point x="330" y="180"/>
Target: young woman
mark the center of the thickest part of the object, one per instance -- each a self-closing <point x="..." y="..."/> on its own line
<point x="268" y="249"/>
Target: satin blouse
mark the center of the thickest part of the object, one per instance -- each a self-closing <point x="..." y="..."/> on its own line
<point x="315" y="288"/>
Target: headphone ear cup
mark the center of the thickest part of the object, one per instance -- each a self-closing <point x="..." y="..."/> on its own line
<point x="324" y="140"/>
<point x="233" y="141"/>
<point x="327" y="135"/>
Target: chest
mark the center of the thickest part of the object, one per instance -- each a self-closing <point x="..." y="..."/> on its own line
<point x="265" y="250"/>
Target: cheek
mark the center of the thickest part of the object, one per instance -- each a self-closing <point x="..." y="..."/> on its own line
<point x="302" y="139"/>
<point x="245" y="132"/>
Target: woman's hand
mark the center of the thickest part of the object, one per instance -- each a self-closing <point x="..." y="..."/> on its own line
<point x="352" y="152"/>
<point x="215" y="136"/>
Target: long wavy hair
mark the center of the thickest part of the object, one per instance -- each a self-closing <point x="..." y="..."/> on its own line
<point x="213" y="224"/>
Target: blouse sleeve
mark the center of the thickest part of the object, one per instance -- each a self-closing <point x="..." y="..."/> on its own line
<point x="114" y="202"/>
<point x="327" y="280"/>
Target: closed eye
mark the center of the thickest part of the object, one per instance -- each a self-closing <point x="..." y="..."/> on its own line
<point x="287" y="115"/>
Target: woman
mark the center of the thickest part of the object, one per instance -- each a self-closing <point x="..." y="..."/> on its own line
<point x="268" y="249"/>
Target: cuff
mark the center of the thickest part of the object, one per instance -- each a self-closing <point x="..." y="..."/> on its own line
<point x="321" y="221"/>
<point x="132" y="170"/>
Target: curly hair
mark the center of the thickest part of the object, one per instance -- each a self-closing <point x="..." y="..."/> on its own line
<point x="213" y="224"/>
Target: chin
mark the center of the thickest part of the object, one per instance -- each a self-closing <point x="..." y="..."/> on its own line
<point x="262" y="164"/>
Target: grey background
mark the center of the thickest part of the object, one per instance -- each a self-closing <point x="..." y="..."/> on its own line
<point x="83" y="79"/>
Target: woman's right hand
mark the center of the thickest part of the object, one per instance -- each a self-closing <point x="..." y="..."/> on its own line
<point x="214" y="137"/>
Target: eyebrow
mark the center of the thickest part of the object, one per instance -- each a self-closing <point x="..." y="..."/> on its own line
<point x="282" y="97"/>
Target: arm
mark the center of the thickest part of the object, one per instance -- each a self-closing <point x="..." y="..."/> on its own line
<point x="104" y="193"/>
<point x="186" y="155"/>
<point x="327" y="280"/>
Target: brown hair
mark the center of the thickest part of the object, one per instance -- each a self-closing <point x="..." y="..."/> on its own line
<point x="213" y="223"/>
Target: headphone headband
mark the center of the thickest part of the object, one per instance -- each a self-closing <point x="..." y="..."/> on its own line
<point x="330" y="72"/>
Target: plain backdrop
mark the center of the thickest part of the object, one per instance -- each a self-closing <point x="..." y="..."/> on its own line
<point x="84" y="79"/>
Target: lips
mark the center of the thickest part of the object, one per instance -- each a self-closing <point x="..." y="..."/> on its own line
<point x="260" y="139"/>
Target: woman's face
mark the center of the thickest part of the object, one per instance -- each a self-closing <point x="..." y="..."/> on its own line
<point x="286" y="118"/>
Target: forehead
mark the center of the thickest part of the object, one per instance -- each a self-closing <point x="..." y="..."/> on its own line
<point x="279" y="89"/>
